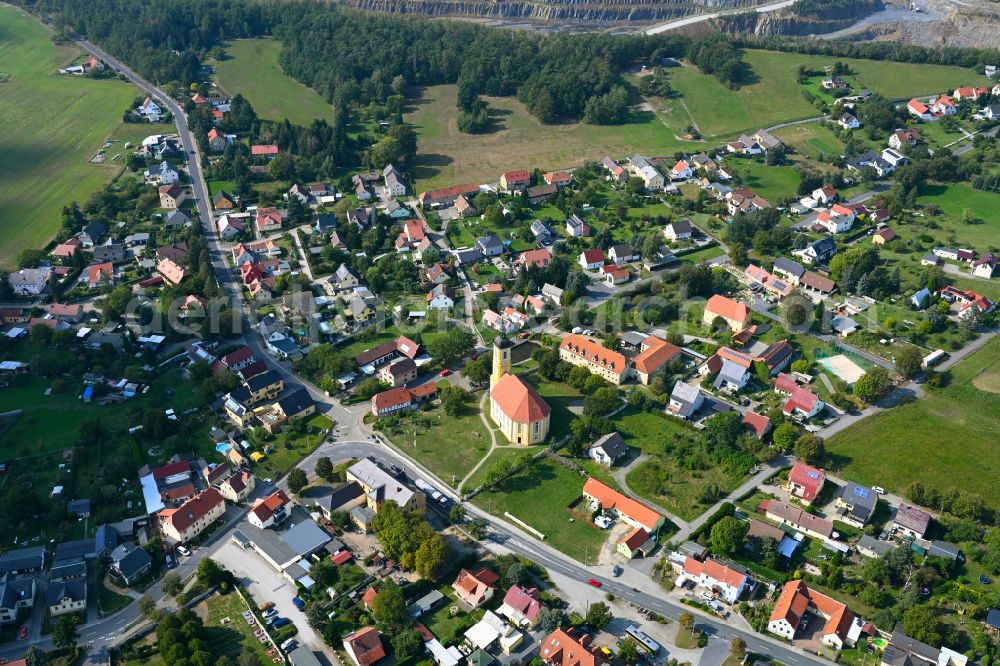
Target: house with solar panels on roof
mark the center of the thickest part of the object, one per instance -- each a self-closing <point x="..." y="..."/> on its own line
<point x="805" y="482"/>
<point x="856" y="504"/>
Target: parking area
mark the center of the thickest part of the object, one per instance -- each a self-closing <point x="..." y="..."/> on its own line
<point x="265" y="584"/>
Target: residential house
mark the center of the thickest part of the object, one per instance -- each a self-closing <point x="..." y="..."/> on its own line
<point x="904" y="137"/>
<point x="563" y="647"/>
<point x="398" y="373"/>
<point x="446" y="196"/>
<point x="678" y="230"/>
<point x="16" y="594"/>
<point x="98" y="275"/>
<point x="26" y="560"/>
<point x="440" y="298"/>
<point x="759" y="276"/>
<point x="232" y="225"/>
<point x="894" y="157"/>
<point x="758" y="424"/>
<point x="268" y="220"/>
<point x="576" y="227"/>
<point x="608" y="364"/>
<point x="784" y="513"/>
<point x="539" y="193"/>
<point x="725" y="581"/>
<point x="393" y="400"/>
<point x="637" y="543"/>
<point x="736" y="315"/>
<point x="817" y="252"/>
<point x="802" y="403"/>
<point x="985" y="266"/>
<point x="475" y="589"/>
<point x="883" y="236"/>
<point x="216" y="140"/>
<point x="797" y="603"/>
<point x="681" y="171"/>
<point x="30" y="281"/>
<point x="394" y="182"/>
<point x="490" y="246"/>
<point x="515" y="181"/>
<point x="344" y="278"/>
<point x="108" y="252"/>
<point x="911" y="521"/>
<point x="919" y="110"/>
<point x="223" y="201"/>
<point x="815" y="284"/>
<point x="608" y="449"/>
<point x="171" y="272"/>
<point x="364" y="646"/>
<point x="521" y="606"/>
<point x="560" y="179"/>
<point x="161" y="174"/>
<point x="150" y="110"/>
<point x="552" y="293"/>
<point x="805" y="482"/>
<point x="650" y="175"/>
<point x="92" y="234"/>
<point x="792" y="271"/>
<point x="536" y="258"/>
<point x="66" y="596"/>
<point x="837" y="221"/>
<point x="631" y="511"/>
<point x="264" y="151"/>
<point x="269" y="511"/>
<point x="542" y="232"/>
<point x="380" y="487"/>
<point x="618" y="172"/>
<point x="848" y="121"/>
<point x="191" y="518"/>
<point x="905" y="651"/>
<point x="623" y="253"/>
<point x="685" y="400"/>
<point x="171" y="196"/>
<point x="129" y="563"/>
<point x="870" y="160"/>
<point x="592" y="259"/>
<point x="856" y="504"/>
<point x="943" y="106"/>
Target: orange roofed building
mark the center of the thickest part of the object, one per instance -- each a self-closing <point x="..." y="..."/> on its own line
<point x="564" y="648"/>
<point x="364" y="646"/>
<point x="192" y="517"/>
<point x="632" y="511"/>
<point x="515" y="406"/>
<point x="601" y="361"/>
<point x="477" y="588"/>
<point x="796" y="600"/>
<point x="737" y="315"/>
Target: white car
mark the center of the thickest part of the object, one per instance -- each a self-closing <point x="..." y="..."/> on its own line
<point x="879" y="489"/>
<point x="183" y="550"/>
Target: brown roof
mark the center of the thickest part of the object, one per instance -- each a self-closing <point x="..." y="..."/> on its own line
<point x="636" y="538"/>
<point x="366" y="645"/>
<point x="593" y="352"/>
<point x="564" y="648"/>
<point x="817" y="281"/>
<point x="759" y="528"/>
<point x="519" y="400"/>
<point x="192" y="510"/>
<point x="799" y="517"/>
<point x="714" y="570"/>
<point x="657" y="352"/>
<point x="390" y="398"/>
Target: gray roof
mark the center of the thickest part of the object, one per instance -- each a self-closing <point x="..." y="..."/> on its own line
<point x="12" y="591"/>
<point x="789" y="266"/>
<point x="74" y="588"/>
<point x="306" y="537"/>
<point x="468" y="256"/>
<point x="824" y="246"/>
<point x="80" y="548"/>
<point x="368" y="472"/>
<point x="634" y="338"/>
<point x="68" y="568"/>
<point x="876" y="546"/>
<point x="993" y="618"/>
<point x="78" y="506"/>
<point x="20" y="559"/>
<point x="902" y="646"/>
<point x="681" y="226"/>
<point x="944" y="549"/>
<point x="861" y="498"/>
<point x="687" y="395"/>
<point x="612" y="445"/>
<point x="296" y="402"/>
<point x="692" y="549"/>
<point x="302" y="656"/>
<point x="490" y="242"/>
<point x="130" y="559"/>
<point x="731" y="373"/>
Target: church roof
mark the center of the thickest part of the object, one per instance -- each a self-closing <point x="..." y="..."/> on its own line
<point x="519" y="400"/>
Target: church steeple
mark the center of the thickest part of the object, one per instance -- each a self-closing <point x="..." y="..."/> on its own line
<point x="501" y="359"/>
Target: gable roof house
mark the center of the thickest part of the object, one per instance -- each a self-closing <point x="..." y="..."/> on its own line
<point x="736" y="315"/>
<point x="911" y="521"/>
<point x="608" y="449"/>
<point x="475" y="589"/>
<point x="564" y="648"/>
<point x="576" y="227"/>
<point x="817" y="252"/>
<point x="725" y="581"/>
<point x="784" y="513"/>
<point x="394" y="182"/>
<point x="521" y="606"/>
<point x="678" y="230"/>
<point x="758" y="424"/>
<point x="631" y="511"/>
<point x="191" y="518"/>
<point x="364" y="646"/>
<point x="805" y="482"/>
<point x="685" y="400"/>
<point x="171" y="196"/>
<point x="129" y="563"/>
<point x="856" y="504"/>
<point x="802" y="402"/>
<point x="515" y="181"/>
<point x="790" y="614"/>
<point x="222" y="200"/>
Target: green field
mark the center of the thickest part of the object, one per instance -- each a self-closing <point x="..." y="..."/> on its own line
<point x="446" y="156"/>
<point x="811" y="140"/>
<point x="914" y="442"/>
<point x="539" y="496"/>
<point x="52" y="126"/>
<point x="251" y="69"/>
<point x="953" y="200"/>
<point x="776" y="96"/>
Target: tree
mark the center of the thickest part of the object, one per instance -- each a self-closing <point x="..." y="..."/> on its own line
<point x="172" y="584"/>
<point x="873" y="384"/>
<point x="210" y="573"/>
<point x="728" y="534"/>
<point x="297" y="480"/>
<point x="909" y="361"/>
<point x="784" y="436"/>
<point x="810" y="448"/>
<point x="796" y="313"/>
<point x="453" y="400"/>
<point x="407" y="644"/>
<point x="738" y="254"/>
<point x="315" y="613"/>
<point x="686" y="620"/>
<point x="35" y="657"/>
<point x="738" y="648"/>
<point x="457" y="514"/>
<point x="324" y="468"/>
<point x="389" y="606"/>
<point x="431" y="556"/>
<point x="41" y="335"/>
<point x="628" y="652"/>
<point x="598" y="615"/>
<point x="551" y="619"/>
<point x="64" y="634"/>
<point x="921" y="623"/>
<point x="603" y="401"/>
<point x="478" y="371"/>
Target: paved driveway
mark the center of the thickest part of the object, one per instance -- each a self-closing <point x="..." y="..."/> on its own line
<point x="265" y="584"/>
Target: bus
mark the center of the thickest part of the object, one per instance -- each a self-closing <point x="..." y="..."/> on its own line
<point x="644" y="641"/>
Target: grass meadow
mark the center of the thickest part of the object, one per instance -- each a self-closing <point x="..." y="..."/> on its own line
<point x="251" y="69"/>
<point x="915" y="442"/>
<point x="52" y="125"/>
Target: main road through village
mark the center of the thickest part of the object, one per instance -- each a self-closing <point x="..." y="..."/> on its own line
<point x="355" y="440"/>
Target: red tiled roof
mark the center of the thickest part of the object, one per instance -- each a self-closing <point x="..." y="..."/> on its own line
<point x="366" y="645"/>
<point x="593" y="352"/>
<point x="610" y="498"/>
<point x="391" y="398"/>
<point x="808" y="478"/>
<point x="563" y="648"/>
<point x="265" y="508"/>
<point x="655" y="355"/>
<point x="519" y="400"/>
<point x="264" y="149"/>
<point x="635" y="538"/>
<point x="593" y="256"/>
<point x="757" y="422"/>
<point x="714" y="570"/>
<point x="525" y="601"/>
<point x="192" y="510"/>
<point x="796" y="598"/>
<point x="727" y="308"/>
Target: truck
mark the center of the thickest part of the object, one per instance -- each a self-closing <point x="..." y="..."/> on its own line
<point x="430" y="491"/>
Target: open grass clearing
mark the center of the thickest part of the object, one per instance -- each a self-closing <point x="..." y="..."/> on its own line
<point x="446" y="156"/>
<point x="251" y="68"/>
<point x="53" y="126"/>
<point x="539" y="496"/>
<point x="811" y="139"/>
<point x="228" y="632"/>
<point x="953" y="200"/>
<point x="911" y="443"/>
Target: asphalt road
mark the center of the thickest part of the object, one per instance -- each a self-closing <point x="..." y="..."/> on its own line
<point x="691" y="20"/>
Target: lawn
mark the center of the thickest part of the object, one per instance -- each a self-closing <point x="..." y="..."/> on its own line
<point x="660" y="479"/>
<point x="448" y="446"/>
<point x="812" y="140"/>
<point x="445" y="156"/>
<point x="251" y="68"/>
<point x="227" y="631"/>
<point x="910" y="443"/>
<point x="776" y="97"/>
<point x="705" y="254"/>
<point x="289" y="448"/>
<point x="53" y="125"/>
<point x="539" y="496"/>
<point x="771" y="182"/>
<point x="561" y="398"/>
<point x="953" y="200"/>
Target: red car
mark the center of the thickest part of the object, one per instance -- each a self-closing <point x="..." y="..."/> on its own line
<point x="445" y="372"/>
<point x="23" y="633"/>
<point x="595" y="583"/>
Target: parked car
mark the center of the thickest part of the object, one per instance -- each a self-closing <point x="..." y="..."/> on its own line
<point x="879" y="489"/>
<point x="271" y="612"/>
<point x="183" y="550"/>
<point x="594" y="582"/>
<point x="267" y="605"/>
<point x="617" y="571"/>
<point x="289" y="644"/>
<point x="22" y="634"/>
<point x="301" y="605"/>
<point x="280" y="622"/>
<point x="445" y="372"/>
<point x="171" y="562"/>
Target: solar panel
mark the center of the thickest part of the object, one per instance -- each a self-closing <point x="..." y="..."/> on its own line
<point x="812" y="474"/>
<point x="861" y="492"/>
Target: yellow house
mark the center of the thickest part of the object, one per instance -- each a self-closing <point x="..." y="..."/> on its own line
<point x="515" y="406"/>
<point x="736" y="315"/>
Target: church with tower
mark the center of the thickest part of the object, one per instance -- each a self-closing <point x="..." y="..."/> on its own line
<point x="515" y="406"/>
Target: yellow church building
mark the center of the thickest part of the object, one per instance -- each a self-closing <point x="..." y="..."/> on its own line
<point x="515" y="406"/>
